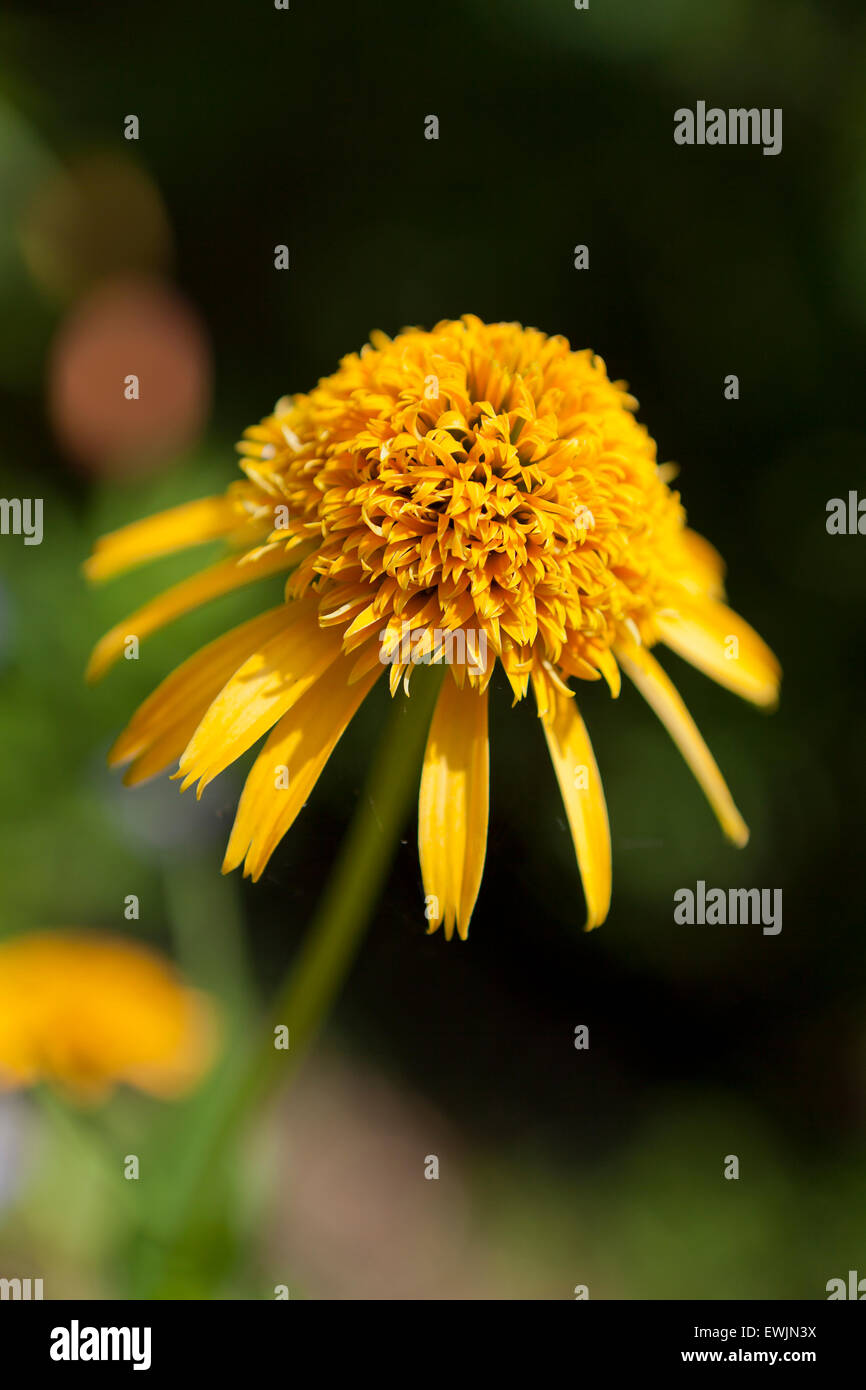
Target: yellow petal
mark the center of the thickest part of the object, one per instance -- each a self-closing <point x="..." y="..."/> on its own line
<point x="453" y="806"/>
<point x="268" y="684"/>
<point x="659" y="692"/>
<point x="182" y="598"/>
<point x="705" y="569"/>
<point x="161" y="727"/>
<point x="722" y="645"/>
<point x="300" y="744"/>
<point x="582" y="792"/>
<point x="609" y="669"/>
<point x="193" y="523"/>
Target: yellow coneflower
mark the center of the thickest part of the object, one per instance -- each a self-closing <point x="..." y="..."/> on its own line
<point x="478" y="489"/>
<point x="87" y="1011"/>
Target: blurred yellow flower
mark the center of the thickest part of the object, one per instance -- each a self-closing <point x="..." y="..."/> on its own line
<point x="479" y="489"/>
<point x="87" y="1011"/>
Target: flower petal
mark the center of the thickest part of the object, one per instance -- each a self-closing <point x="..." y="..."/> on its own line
<point x="705" y="568"/>
<point x="267" y="685"/>
<point x="180" y="599"/>
<point x="161" y="728"/>
<point x="660" y="693"/>
<point x="582" y="792"/>
<point x="300" y="744"/>
<point x="453" y="805"/>
<point x="700" y="632"/>
<point x="193" y="523"/>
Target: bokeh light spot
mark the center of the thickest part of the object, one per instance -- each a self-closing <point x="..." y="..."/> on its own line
<point x="129" y="328"/>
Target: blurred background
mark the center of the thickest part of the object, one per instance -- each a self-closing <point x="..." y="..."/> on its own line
<point x="558" y="1167"/>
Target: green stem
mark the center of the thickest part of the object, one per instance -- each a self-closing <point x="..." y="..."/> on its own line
<point x="330" y="947"/>
<point x="305" y="998"/>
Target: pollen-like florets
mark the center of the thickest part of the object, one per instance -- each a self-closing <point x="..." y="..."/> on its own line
<point x="476" y="477"/>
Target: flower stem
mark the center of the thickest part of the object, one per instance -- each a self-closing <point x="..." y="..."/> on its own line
<point x="304" y="1000"/>
<point x="353" y="889"/>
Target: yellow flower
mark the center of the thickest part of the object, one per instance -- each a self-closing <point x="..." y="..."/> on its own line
<point x="87" y="1011"/>
<point x="476" y="494"/>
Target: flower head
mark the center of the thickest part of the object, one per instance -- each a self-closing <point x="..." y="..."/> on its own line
<point x="87" y="1011"/>
<point x="480" y="490"/>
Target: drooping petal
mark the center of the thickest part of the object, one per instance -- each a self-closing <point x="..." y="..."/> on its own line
<point x="193" y="523"/>
<point x="609" y="669"/>
<point x="183" y="598"/>
<point x="582" y="792"/>
<point x="705" y="573"/>
<point x="453" y="806"/>
<point x="162" y="727"/>
<point x="659" y="692"/>
<point x="289" y="766"/>
<point x="722" y="645"/>
<point x="267" y="685"/>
